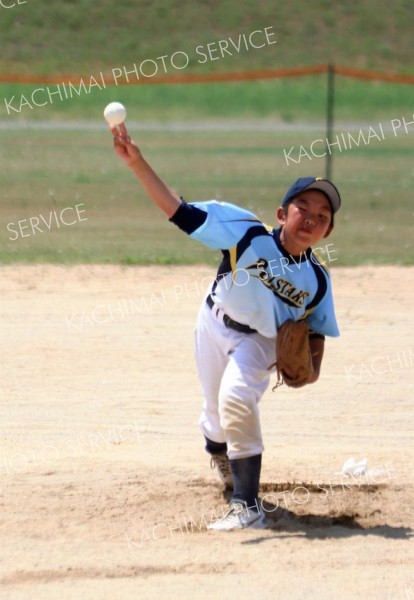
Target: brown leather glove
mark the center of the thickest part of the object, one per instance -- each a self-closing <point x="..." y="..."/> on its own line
<point x="293" y="356"/>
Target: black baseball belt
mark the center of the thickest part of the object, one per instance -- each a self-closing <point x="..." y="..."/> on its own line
<point x="229" y="323"/>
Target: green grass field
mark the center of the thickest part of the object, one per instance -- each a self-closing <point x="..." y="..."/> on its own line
<point x="46" y="171"/>
<point x="78" y="36"/>
<point x="290" y="100"/>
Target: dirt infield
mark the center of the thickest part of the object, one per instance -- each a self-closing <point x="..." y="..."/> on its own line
<point x="106" y="489"/>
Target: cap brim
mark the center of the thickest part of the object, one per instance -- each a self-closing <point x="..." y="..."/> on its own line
<point x="328" y="188"/>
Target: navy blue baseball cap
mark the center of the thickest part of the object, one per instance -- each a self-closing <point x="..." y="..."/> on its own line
<point x="314" y="183"/>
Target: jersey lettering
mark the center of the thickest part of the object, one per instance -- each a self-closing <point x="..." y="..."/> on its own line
<point x="284" y="289"/>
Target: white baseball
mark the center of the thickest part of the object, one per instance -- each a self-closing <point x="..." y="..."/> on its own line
<point x="115" y="113"/>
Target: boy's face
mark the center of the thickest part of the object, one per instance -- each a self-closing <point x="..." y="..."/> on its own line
<point x="306" y="221"/>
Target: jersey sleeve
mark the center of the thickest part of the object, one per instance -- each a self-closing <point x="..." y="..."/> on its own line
<point x="322" y="320"/>
<point x="188" y="217"/>
<point x="218" y="225"/>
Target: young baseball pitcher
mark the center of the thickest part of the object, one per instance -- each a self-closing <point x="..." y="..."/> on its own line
<point x="268" y="279"/>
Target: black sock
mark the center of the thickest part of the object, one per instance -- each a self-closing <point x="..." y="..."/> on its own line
<point x="246" y="477"/>
<point x="215" y="447"/>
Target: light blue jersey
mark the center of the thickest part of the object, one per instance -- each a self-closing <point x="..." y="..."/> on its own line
<point x="258" y="283"/>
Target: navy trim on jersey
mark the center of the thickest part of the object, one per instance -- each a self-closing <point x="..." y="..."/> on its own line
<point x="322" y="285"/>
<point x="188" y="217"/>
<point x="242" y="245"/>
<point x="224" y="268"/>
<point x="250" y="234"/>
<point x="318" y="269"/>
<point x="292" y="259"/>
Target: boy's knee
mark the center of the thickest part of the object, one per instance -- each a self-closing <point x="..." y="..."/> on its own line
<point x="235" y="407"/>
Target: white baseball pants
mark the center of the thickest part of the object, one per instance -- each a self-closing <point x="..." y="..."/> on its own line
<point x="233" y="370"/>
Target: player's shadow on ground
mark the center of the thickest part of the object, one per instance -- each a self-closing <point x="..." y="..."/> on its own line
<point x="312" y="526"/>
<point x="288" y="524"/>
